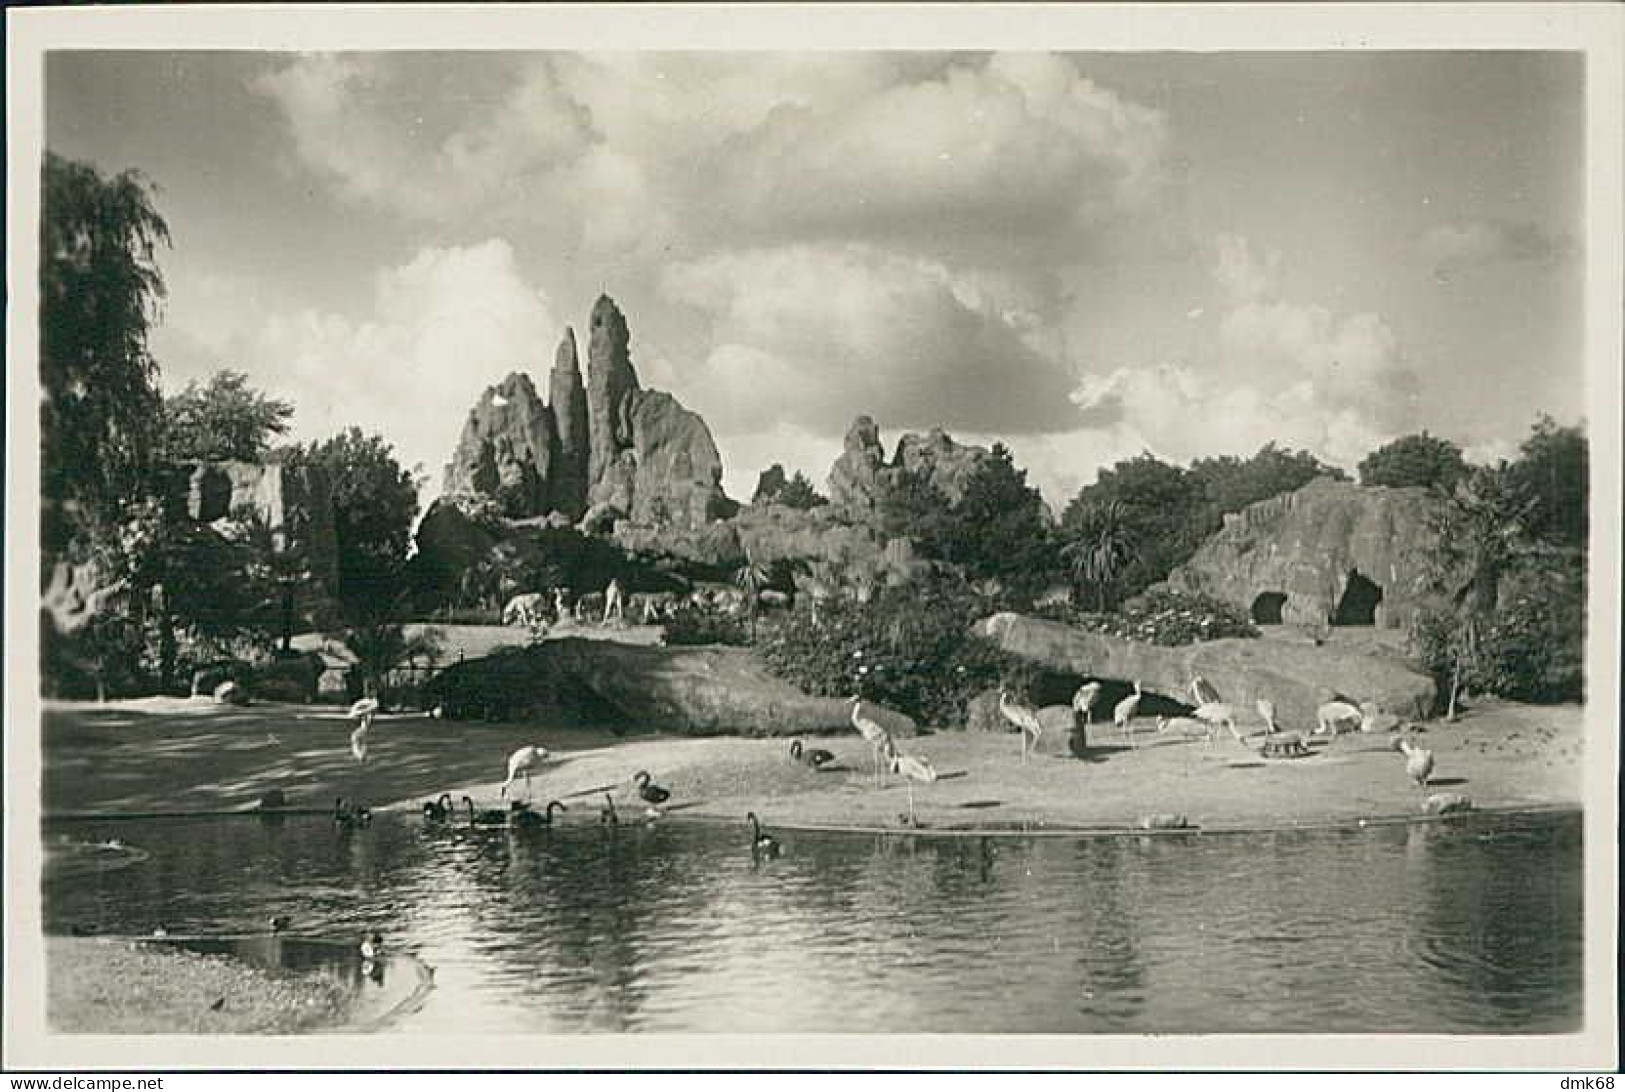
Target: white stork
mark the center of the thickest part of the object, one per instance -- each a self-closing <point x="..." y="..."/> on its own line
<point x="913" y="768"/>
<point x="863" y="719"/>
<point x="1125" y="711"/>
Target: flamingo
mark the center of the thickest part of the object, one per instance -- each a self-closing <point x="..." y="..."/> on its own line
<point x="648" y="790"/>
<point x="1024" y="717"/>
<point x="1203" y="691"/>
<point x="913" y="768"/>
<point x="878" y="738"/>
<point x="760" y="844"/>
<point x="363" y="710"/>
<point x="1418" y="763"/>
<point x="523" y="761"/>
<point x="816" y="758"/>
<point x="1125" y="712"/>
<point x="1266" y="709"/>
<point x="1331" y="717"/>
<point x="1083" y="702"/>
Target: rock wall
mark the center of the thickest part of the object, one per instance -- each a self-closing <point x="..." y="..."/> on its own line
<point x="568" y="398"/>
<point x="1297" y="677"/>
<point x="1329" y="553"/>
<point x="507" y="449"/>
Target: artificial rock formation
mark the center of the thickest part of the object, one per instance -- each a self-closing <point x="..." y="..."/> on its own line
<point x="861" y="476"/>
<point x="1330" y="553"/>
<point x="1298" y="677"/>
<point x="605" y="445"/>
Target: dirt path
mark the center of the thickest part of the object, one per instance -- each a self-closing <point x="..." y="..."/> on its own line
<point x="173" y="755"/>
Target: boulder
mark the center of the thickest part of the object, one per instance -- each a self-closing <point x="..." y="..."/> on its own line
<point x="1298" y="678"/>
<point x="1329" y="553"/>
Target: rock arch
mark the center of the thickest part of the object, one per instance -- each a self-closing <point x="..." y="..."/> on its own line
<point x="1266" y="609"/>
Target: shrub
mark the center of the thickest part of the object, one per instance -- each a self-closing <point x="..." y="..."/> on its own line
<point x="909" y="648"/>
<point x="1535" y="648"/>
<point x="1162" y="617"/>
<point x="692" y="624"/>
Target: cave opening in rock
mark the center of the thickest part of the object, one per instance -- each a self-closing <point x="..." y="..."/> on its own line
<point x="1358" y="606"/>
<point x="1267" y="608"/>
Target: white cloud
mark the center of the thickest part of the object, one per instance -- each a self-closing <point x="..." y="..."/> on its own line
<point x="812" y="336"/>
<point x="444" y="326"/>
<point x="1465" y="243"/>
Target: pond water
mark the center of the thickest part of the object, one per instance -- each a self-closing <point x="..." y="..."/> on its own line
<point x="1458" y="927"/>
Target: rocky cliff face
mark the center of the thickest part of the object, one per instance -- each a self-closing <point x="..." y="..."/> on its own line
<point x="606" y="445"/>
<point x="1329" y="553"/>
<point x="507" y="449"/>
<point x="861" y="475"/>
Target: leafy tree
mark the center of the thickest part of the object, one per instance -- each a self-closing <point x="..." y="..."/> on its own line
<point x="1553" y="471"/>
<point x="100" y="290"/>
<point x="374" y="503"/>
<point x="772" y="487"/>
<point x="1420" y="459"/>
<point x="1161" y="509"/>
<point x="1229" y="484"/>
<point x="1476" y="534"/>
<point x="1098" y="548"/>
<point x="912" y="505"/>
<point x="1000" y="527"/>
<point x="223" y="419"/>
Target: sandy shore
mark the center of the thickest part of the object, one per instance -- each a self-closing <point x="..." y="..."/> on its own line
<point x="172" y="755"/>
<point x="119" y="987"/>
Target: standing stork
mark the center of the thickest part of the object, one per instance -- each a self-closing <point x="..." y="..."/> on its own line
<point x="863" y="719"/>
<point x="363" y="710"/>
<point x="1024" y="717"/>
<point x="1125" y="712"/>
<point x="523" y="761"/>
<point x="1418" y="763"/>
<point x="1203" y="691"/>
<point x="913" y="768"/>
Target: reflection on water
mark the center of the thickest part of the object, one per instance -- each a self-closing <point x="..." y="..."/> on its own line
<point x="1461" y="927"/>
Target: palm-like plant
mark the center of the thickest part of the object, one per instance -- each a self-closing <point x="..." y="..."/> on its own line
<point x="1099" y="548"/>
<point x="379" y="647"/>
<point x="751" y="578"/>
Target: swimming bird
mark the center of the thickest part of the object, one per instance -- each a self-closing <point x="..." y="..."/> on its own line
<point x="1125" y="712"/>
<point x="372" y="946"/>
<point x="1024" y="717"/>
<point x="1083" y="701"/>
<point x="914" y="768"/>
<point x="438" y="811"/>
<point x="607" y="814"/>
<point x="522" y="815"/>
<point x="648" y="790"/>
<point x="815" y="758"/>
<point x="1203" y="691"/>
<point x="523" y="761"/>
<point x="346" y="816"/>
<point x="863" y="719"/>
<point x="1266" y="709"/>
<point x="1418" y="763"/>
<point x="280" y="923"/>
<point x="762" y="844"/>
<point x="490" y="817"/>
<point x="1338" y="716"/>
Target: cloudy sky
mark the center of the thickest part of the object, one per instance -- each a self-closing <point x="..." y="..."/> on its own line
<point x="1086" y="255"/>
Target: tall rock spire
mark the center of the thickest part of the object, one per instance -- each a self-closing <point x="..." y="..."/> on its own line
<point x="568" y="399"/>
<point x="611" y="383"/>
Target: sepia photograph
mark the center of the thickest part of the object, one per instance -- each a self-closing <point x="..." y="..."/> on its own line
<point x="733" y="540"/>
